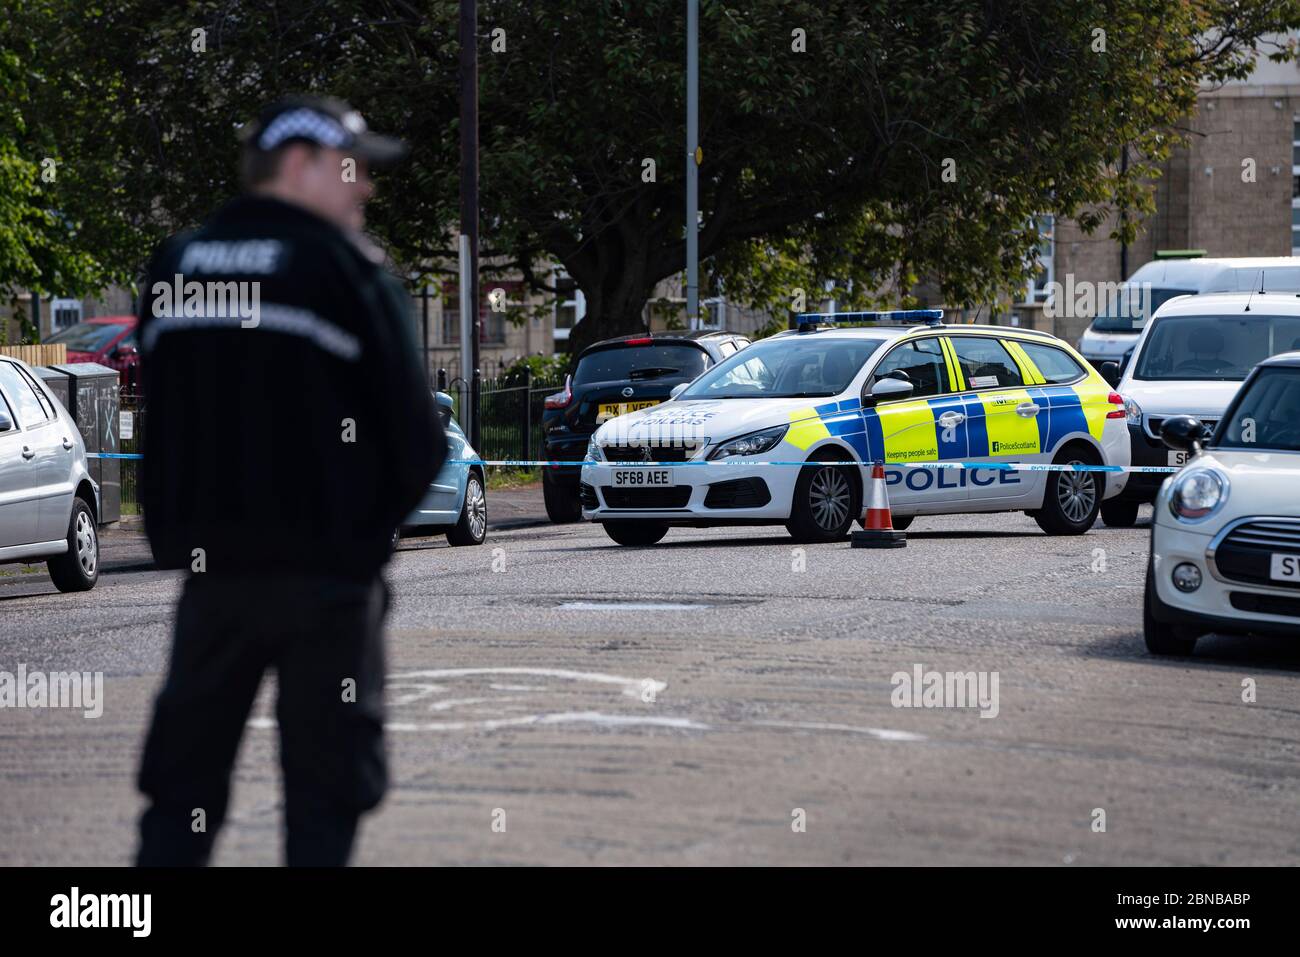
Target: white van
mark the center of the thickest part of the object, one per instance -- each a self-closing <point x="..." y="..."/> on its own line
<point x="1116" y="328"/>
<point x="1191" y="359"/>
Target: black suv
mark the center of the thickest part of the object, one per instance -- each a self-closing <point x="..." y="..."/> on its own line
<point x="611" y="378"/>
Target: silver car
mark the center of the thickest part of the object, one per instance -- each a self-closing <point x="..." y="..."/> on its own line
<point x="48" y="501"/>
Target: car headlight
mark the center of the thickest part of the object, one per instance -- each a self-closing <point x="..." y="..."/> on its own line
<point x="1132" y="411"/>
<point x="1196" y="494"/>
<point x="594" y="454"/>
<point x="751" y="444"/>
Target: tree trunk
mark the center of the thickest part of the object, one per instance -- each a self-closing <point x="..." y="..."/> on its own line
<point x="617" y="294"/>
<point x="607" y="323"/>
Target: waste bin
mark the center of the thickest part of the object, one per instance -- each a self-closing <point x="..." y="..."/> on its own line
<point x="93" y="404"/>
<point x="57" y="382"/>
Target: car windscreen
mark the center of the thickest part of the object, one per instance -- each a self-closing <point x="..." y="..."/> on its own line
<point x="1129" y="311"/>
<point x="1266" y="415"/>
<point x="1213" y="348"/>
<point x="87" y="336"/>
<point x="785" y="368"/>
<point x="624" y="363"/>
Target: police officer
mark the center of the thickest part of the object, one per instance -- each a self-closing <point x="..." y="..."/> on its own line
<point x="290" y="430"/>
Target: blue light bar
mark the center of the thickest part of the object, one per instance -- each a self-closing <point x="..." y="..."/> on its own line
<point x="928" y="316"/>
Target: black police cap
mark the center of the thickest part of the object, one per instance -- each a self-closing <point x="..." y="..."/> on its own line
<point x="324" y="120"/>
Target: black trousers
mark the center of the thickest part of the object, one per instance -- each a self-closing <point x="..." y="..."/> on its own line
<point x="324" y="638"/>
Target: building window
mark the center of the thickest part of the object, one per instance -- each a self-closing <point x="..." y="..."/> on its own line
<point x="570" y="305"/>
<point x="492" y="323"/>
<point x="64" y="314"/>
<point x="1044" y="273"/>
<point x="713" y="313"/>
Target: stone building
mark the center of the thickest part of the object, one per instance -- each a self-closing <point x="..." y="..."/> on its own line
<point x="1233" y="190"/>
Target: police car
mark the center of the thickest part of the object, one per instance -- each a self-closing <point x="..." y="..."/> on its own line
<point x="778" y="433"/>
<point x="1225" y="536"/>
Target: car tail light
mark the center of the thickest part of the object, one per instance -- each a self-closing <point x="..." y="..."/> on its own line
<point x="560" y="400"/>
<point x="638" y="342"/>
<point x="1117" y="400"/>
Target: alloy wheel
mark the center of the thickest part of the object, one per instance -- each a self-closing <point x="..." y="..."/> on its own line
<point x="829" y="497"/>
<point x="87" y="547"/>
<point x="476" y="508"/>
<point x="1076" y="494"/>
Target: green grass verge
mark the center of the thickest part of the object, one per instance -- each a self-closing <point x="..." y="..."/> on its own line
<point x="507" y="478"/>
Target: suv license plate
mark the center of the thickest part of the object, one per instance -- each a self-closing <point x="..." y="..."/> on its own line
<point x="612" y="410"/>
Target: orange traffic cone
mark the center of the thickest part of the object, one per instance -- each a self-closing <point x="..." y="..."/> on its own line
<point x="878" y="526"/>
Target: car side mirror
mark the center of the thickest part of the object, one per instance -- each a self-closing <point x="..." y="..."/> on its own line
<point x="1110" y="371"/>
<point x="1184" y="433"/>
<point x="888" y="388"/>
<point x="446" y="404"/>
<point x="6" y="423"/>
<point x="126" y="352"/>
<point x="678" y="389"/>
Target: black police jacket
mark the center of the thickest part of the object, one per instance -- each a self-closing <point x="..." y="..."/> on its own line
<point x="288" y="424"/>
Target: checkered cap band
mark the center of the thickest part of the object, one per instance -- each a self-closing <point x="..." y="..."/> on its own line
<point x="307" y="124"/>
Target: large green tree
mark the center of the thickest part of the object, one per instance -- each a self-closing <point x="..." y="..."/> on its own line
<point x="58" y="232"/>
<point x="858" y="140"/>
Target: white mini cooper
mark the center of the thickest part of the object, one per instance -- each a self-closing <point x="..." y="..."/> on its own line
<point x="1225" y="540"/>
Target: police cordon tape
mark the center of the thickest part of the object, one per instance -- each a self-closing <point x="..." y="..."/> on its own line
<point x="995" y="466"/>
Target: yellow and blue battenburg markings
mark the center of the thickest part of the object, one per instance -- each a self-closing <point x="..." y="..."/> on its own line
<point x="989" y="425"/>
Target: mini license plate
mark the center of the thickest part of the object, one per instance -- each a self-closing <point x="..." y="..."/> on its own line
<point x="608" y="410"/>
<point x="642" y="478"/>
<point x="1284" y="568"/>
<point x="1179" y="459"/>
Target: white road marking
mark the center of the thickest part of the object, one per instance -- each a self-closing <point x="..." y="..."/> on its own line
<point x="632" y="687"/>
<point x="564" y="717"/>
<point x="421" y="684"/>
<point x="455" y="702"/>
<point x="628" y="606"/>
<point x="883" y="734"/>
<point x="425" y="682"/>
<point x="422" y="691"/>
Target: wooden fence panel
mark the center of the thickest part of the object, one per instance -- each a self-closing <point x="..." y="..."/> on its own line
<point x="49" y="354"/>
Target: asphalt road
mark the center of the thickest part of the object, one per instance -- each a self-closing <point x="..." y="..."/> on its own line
<point x="557" y="699"/>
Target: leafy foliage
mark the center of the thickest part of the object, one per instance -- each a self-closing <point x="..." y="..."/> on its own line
<point x="541" y="369"/>
<point x="50" y="238"/>
<point x="822" y="163"/>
